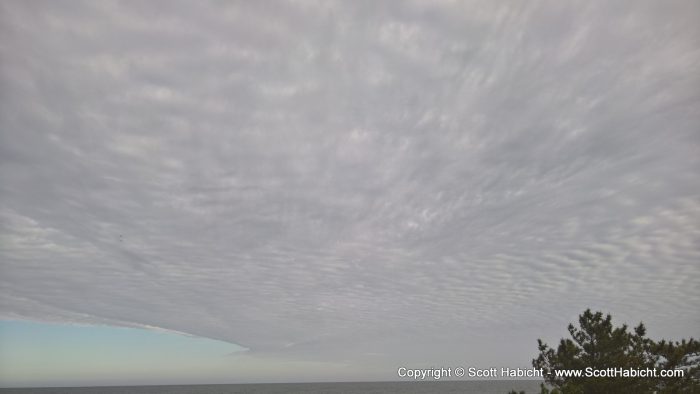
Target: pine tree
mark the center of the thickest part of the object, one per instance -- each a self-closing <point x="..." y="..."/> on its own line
<point x="599" y="345"/>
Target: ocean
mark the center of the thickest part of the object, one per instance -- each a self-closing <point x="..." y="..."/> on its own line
<point x="469" y="387"/>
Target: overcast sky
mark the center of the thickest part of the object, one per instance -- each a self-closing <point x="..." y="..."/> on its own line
<point x="362" y="184"/>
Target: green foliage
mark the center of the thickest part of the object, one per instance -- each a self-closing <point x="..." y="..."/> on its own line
<point x="599" y="345"/>
<point x="684" y="355"/>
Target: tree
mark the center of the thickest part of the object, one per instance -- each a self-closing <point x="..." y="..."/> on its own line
<point x="683" y="355"/>
<point x="599" y="345"/>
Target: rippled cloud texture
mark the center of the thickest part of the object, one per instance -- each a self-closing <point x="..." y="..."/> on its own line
<point x="361" y="183"/>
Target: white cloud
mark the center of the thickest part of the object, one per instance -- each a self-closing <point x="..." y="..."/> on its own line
<point x="349" y="180"/>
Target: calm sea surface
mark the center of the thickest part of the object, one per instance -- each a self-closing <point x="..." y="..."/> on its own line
<point x="486" y="387"/>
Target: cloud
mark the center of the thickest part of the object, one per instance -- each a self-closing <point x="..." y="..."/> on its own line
<point x="336" y="181"/>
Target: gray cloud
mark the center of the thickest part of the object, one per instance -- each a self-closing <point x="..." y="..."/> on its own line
<point x="351" y="181"/>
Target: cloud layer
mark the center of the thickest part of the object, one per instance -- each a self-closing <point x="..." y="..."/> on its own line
<point x="350" y="181"/>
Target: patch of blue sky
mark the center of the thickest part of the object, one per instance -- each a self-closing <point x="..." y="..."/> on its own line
<point x="39" y="353"/>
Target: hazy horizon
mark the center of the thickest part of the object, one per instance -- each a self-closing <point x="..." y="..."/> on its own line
<point x="326" y="190"/>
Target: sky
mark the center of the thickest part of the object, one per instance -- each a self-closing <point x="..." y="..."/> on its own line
<point x="319" y="190"/>
<point x="94" y="355"/>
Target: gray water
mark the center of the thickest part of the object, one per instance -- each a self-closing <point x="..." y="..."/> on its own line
<point x="476" y="387"/>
